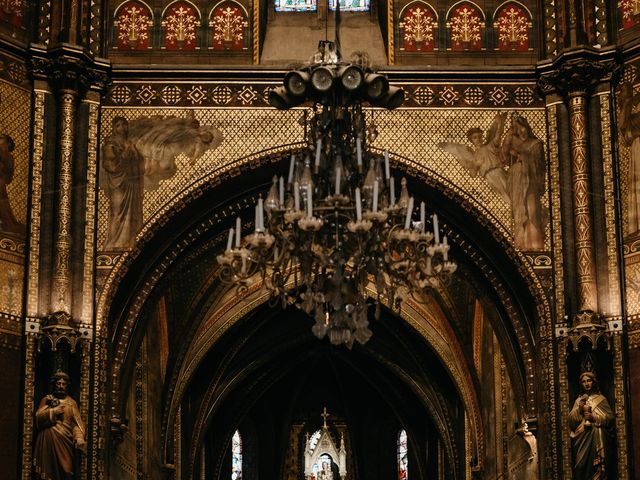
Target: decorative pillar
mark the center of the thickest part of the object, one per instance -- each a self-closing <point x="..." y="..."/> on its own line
<point x="581" y="180"/>
<point x="55" y="309"/>
<point x="568" y="84"/>
<point x="61" y="277"/>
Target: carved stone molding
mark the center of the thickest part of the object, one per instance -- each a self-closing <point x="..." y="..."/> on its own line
<point x="69" y="70"/>
<point x="579" y="71"/>
<point x="60" y="326"/>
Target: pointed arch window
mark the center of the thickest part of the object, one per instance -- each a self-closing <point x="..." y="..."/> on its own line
<point x="236" y="456"/>
<point x="296" y="5"/>
<point x="350" y="5"/>
<point x="403" y="456"/>
<point x="133" y="21"/>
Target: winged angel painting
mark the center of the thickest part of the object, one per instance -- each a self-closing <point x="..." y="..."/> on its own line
<point x="512" y="163"/>
<point x="138" y="155"/>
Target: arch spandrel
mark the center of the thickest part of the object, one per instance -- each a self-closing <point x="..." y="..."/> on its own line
<point x="409" y="133"/>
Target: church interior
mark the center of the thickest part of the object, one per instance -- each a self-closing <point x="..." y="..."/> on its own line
<point x="309" y="240"/>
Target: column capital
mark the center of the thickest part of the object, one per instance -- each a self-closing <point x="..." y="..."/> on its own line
<point x="576" y="72"/>
<point x="69" y="69"/>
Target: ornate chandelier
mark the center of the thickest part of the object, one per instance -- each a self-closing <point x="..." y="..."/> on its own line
<point x="336" y="225"/>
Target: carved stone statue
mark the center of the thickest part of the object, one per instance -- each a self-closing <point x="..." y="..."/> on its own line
<point x="61" y="432"/>
<point x="590" y="420"/>
<point x="8" y="221"/>
<point x="630" y="134"/>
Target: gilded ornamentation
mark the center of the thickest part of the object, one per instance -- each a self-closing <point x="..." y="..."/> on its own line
<point x="62" y="243"/>
<point x="133" y="23"/>
<point x="229" y="25"/>
<point x="620" y="393"/>
<point x="12" y="11"/>
<point x="629" y="125"/>
<point x="256" y="31"/>
<point x="587" y="299"/>
<point x="213" y="94"/>
<point x="36" y="208"/>
<point x="180" y="24"/>
<point x="466" y="28"/>
<point x="513" y="26"/>
<point x="630" y="12"/>
<point x="614" y="306"/>
<point x="390" y="33"/>
<point x="418" y="28"/>
<point x="28" y="406"/>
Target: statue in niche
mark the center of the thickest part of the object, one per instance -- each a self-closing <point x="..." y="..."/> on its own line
<point x="514" y="167"/>
<point x="630" y="134"/>
<point x="8" y="221"/>
<point x="137" y="156"/>
<point x="61" y="432"/>
<point x="484" y="158"/>
<point x="591" y="420"/>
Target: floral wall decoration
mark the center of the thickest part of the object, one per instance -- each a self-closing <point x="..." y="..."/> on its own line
<point x="512" y="24"/>
<point x="133" y="23"/>
<point x="466" y="28"/>
<point x="629" y="12"/>
<point x="12" y="11"/>
<point x="180" y="26"/>
<point x="418" y="27"/>
<point x="230" y="27"/>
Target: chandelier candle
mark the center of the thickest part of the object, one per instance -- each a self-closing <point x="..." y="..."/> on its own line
<point x="292" y="165"/>
<point x="349" y="247"/>
<point x="386" y="165"/>
<point x="407" y="222"/>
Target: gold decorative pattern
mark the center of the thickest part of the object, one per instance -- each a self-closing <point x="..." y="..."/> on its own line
<point x="28" y="405"/>
<point x="256" y="32"/>
<point x="614" y="307"/>
<point x="587" y="299"/>
<point x="619" y="407"/>
<point x="15" y="121"/>
<point x="546" y="346"/>
<point x="390" y="34"/>
<point x="62" y="243"/>
<point x="90" y="215"/>
<point x="36" y="206"/>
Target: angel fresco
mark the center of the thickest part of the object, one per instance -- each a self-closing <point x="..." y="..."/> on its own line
<point x="484" y="158"/>
<point x="514" y="168"/>
<point x="137" y="156"/>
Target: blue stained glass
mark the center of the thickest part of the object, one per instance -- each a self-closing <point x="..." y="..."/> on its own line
<point x="236" y="456"/>
<point x="296" y="5"/>
<point x="350" y="5"/>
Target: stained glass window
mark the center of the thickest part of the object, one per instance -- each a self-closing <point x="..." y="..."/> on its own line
<point x="350" y="5"/>
<point x="236" y="456"/>
<point x="403" y="456"/>
<point x="296" y="5"/>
